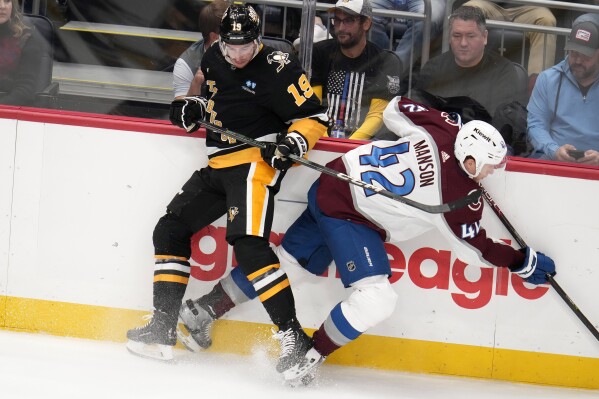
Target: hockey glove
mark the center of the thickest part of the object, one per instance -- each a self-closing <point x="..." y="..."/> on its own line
<point x="271" y="157"/>
<point x="293" y="143"/>
<point x="186" y="112"/>
<point x="535" y="266"/>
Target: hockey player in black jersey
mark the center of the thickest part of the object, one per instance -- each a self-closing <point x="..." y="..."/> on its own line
<point x="263" y="94"/>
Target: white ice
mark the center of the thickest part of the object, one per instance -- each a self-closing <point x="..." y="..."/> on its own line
<point x="48" y="367"/>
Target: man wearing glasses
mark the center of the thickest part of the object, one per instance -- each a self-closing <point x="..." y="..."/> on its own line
<point x="353" y="76"/>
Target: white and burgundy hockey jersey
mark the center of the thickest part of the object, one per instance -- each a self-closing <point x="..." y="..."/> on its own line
<point x="421" y="166"/>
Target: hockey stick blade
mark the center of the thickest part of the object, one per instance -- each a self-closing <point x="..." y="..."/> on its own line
<point x="442" y="208"/>
<point x="587" y="323"/>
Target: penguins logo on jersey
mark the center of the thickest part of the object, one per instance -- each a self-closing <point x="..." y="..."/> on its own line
<point x="233" y="211"/>
<point x="393" y="84"/>
<point x="278" y="57"/>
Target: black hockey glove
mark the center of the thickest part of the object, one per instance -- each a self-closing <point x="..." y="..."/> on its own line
<point x="293" y="143"/>
<point x="271" y="157"/>
<point x="287" y="143"/>
<point x="535" y="266"/>
<point x="186" y="112"/>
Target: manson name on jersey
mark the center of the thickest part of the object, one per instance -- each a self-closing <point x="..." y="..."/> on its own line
<point x="427" y="171"/>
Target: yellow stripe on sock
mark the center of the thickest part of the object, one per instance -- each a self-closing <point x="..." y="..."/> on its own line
<point x="274" y="290"/>
<point x="169" y="278"/>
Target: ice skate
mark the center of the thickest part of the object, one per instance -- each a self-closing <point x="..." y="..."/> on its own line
<point x="294" y="345"/>
<point x="155" y="340"/>
<point x="195" y="326"/>
<point x="305" y="371"/>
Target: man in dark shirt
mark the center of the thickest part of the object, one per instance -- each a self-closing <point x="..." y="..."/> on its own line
<point x="469" y="70"/>
<point x="353" y="76"/>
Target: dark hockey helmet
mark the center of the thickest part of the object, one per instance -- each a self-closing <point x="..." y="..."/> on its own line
<point x="240" y="25"/>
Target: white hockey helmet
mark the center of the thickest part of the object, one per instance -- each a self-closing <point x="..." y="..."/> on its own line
<point x="482" y="142"/>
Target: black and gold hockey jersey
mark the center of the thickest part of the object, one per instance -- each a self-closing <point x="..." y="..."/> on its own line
<point x="271" y="94"/>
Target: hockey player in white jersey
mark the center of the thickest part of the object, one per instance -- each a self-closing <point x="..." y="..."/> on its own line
<point x="434" y="160"/>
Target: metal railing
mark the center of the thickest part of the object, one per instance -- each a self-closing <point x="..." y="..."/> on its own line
<point x="310" y="7"/>
<point x="308" y="16"/>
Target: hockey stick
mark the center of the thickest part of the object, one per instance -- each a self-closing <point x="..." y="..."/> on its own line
<point x="442" y="208"/>
<point x="548" y="276"/>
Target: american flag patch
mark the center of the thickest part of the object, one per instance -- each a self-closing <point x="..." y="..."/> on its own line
<point x="582" y="34"/>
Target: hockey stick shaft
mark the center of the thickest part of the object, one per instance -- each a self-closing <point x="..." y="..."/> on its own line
<point x="548" y="276"/>
<point x="442" y="208"/>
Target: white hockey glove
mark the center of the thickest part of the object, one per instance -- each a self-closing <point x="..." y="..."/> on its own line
<point x="186" y="112"/>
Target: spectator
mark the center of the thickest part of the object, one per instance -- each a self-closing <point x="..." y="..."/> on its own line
<point x="468" y="69"/>
<point x="382" y="26"/>
<point x="354" y="77"/>
<point x="562" y="111"/>
<point x="20" y="49"/>
<point x="186" y="81"/>
<point x="542" y="47"/>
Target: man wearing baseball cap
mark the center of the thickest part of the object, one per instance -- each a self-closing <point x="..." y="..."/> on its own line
<point x="354" y="77"/>
<point x="562" y="112"/>
<point x="354" y="7"/>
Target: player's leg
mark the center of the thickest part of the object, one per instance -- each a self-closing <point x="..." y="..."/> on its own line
<point x="250" y="199"/>
<point x="542" y="46"/>
<point x="193" y="208"/>
<point x="363" y="265"/>
<point x="489" y="9"/>
<point x="197" y="316"/>
<point x="304" y="248"/>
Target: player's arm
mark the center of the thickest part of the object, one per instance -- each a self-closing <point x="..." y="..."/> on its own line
<point x="372" y="122"/>
<point x="308" y="119"/>
<point x="480" y="249"/>
<point x="301" y="107"/>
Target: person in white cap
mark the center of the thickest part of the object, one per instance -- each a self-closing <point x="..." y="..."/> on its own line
<point x="354" y="77"/>
<point x="562" y="111"/>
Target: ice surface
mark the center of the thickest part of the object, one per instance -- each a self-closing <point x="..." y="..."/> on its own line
<point x="47" y="367"/>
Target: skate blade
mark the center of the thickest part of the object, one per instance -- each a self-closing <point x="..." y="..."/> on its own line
<point x="305" y="380"/>
<point x="184" y="336"/>
<point x="155" y="351"/>
<point x="308" y="364"/>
